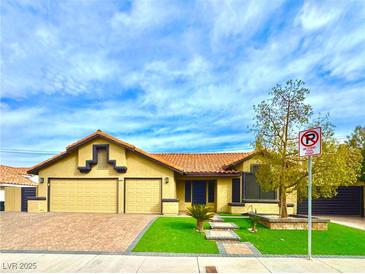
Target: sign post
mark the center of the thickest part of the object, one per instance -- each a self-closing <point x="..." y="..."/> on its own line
<point x="309" y="207"/>
<point x="310" y="145"/>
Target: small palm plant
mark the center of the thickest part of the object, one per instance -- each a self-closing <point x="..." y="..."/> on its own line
<point x="254" y="220"/>
<point x="201" y="213"/>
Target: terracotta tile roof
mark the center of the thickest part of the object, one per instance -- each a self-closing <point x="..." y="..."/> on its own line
<point x="14" y="176"/>
<point x="191" y="163"/>
<point x="204" y="163"/>
<point x="99" y="133"/>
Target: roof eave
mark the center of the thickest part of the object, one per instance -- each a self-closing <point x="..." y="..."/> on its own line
<point x="211" y="174"/>
<point x="35" y="170"/>
<point x="18" y="185"/>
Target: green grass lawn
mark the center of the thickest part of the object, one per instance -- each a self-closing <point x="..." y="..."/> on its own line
<point x="178" y="235"/>
<point x="175" y="234"/>
<point x="337" y="240"/>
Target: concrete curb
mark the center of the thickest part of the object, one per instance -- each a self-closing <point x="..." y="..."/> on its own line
<point x="176" y="254"/>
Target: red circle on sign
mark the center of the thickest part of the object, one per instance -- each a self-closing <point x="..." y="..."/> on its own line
<point x="305" y="135"/>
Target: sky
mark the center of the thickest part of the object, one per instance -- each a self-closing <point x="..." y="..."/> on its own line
<point x="170" y="76"/>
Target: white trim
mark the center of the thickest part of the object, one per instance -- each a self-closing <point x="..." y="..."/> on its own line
<point x="1" y="184"/>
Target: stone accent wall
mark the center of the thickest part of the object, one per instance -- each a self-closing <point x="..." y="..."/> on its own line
<point x="263" y="208"/>
<point x="293" y="225"/>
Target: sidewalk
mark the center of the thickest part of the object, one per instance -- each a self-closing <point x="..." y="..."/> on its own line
<point x="352" y="221"/>
<point x="13" y="262"/>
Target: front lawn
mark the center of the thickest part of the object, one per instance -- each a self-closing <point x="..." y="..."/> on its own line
<point x="178" y="235"/>
<point x="337" y="240"/>
<point x="175" y="234"/>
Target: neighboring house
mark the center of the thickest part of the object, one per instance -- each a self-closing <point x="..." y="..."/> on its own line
<point x="16" y="186"/>
<point x="101" y="173"/>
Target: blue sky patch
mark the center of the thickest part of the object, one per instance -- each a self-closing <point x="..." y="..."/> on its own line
<point x="170" y="76"/>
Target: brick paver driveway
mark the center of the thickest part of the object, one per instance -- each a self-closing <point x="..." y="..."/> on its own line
<point x="70" y="231"/>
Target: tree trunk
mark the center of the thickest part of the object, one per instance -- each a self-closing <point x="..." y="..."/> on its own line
<point x="199" y="225"/>
<point x="283" y="211"/>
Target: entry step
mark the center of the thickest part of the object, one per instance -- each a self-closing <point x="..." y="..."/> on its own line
<point x="220" y="225"/>
<point x="217" y="219"/>
<point x="221" y="235"/>
<point x="244" y="248"/>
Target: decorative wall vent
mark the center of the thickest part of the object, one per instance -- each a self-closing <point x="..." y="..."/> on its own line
<point x="90" y="163"/>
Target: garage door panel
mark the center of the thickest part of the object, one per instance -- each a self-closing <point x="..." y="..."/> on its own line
<point x="143" y="196"/>
<point x="84" y="195"/>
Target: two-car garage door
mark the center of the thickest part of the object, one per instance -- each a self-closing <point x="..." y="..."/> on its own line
<point x="83" y="195"/>
<point x="101" y="195"/>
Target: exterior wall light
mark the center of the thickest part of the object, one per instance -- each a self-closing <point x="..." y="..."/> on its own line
<point x="41" y="180"/>
<point x="166" y="180"/>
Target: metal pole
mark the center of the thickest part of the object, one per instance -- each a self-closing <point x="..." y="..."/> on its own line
<point x="310" y="207"/>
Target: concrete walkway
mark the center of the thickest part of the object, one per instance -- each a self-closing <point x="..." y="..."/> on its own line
<point x="12" y="262"/>
<point x="352" y="221"/>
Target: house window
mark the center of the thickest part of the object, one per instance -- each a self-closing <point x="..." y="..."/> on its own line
<point x="236" y="186"/>
<point x="211" y="192"/>
<point x="187" y="191"/>
<point x="253" y="190"/>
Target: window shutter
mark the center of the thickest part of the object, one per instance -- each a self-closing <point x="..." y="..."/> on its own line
<point x="211" y="192"/>
<point x="236" y="188"/>
<point x="187" y="191"/>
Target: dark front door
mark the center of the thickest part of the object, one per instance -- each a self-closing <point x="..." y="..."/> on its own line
<point x="199" y="192"/>
<point x="27" y="192"/>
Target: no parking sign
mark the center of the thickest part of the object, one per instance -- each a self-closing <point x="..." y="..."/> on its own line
<point x="310" y="142"/>
<point x="310" y="145"/>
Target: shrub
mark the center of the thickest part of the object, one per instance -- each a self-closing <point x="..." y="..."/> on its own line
<point x="201" y="213"/>
<point x="254" y="220"/>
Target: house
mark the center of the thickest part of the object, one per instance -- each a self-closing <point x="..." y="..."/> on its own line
<point x="16" y="186"/>
<point x="101" y="173"/>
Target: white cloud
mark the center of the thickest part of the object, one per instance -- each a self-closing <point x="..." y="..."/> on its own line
<point x="144" y="14"/>
<point x="313" y="16"/>
<point x="236" y="19"/>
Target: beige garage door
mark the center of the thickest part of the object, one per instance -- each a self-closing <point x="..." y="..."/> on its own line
<point x="143" y="196"/>
<point x="83" y="195"/>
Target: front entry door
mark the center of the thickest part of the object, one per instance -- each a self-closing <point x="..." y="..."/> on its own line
<point x="199" y="192"/>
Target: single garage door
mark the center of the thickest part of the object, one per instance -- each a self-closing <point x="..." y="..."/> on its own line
<point x="349" y="201"/>
<point x="143" y="196"/>
<point x="83" y="195"/>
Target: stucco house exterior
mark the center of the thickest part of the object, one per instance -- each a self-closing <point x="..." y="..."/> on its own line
<point x="101" y="173"/>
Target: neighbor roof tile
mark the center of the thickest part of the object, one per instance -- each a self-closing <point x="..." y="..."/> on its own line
<point x="14" y="176"/>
